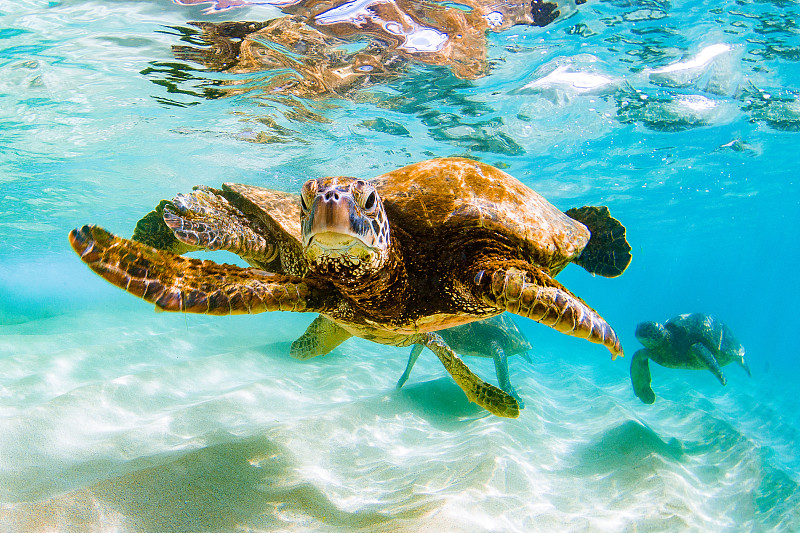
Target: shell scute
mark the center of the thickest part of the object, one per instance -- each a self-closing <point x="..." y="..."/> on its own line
<point x="281" y="208"/>
<point x="462" y="193"/>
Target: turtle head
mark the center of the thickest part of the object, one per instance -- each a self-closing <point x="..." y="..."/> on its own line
<point x="734" y="349"/>
<point x="344" y="226"/>
<point x="652" y="335"/>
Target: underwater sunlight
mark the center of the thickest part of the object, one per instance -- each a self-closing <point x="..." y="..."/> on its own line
<point x="533" y="261"/>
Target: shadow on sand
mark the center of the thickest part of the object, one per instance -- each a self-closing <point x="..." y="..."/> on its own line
<point x="251" y="483"/>
<point x="441" y="403"/>
<point x="625" y="448"/>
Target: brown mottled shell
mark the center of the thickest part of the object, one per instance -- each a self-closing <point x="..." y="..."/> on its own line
<point x="461" y="193"/>
<point x="282" y="208"/>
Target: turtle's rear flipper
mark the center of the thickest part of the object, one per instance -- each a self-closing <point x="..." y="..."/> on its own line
<point x="494" y="400"/>
<point x="203" y="220"/>
<point x="501" y="369"/>
<point x="640" y="377"/>
<point x="321" y="336"/>
<point x="412" y="358"/>
<point x="608" y="252"/>
<point x="176" y="283"/>
<point x="703" y="354"/>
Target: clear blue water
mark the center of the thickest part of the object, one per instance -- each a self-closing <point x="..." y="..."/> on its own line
<point x="116" y="418"/>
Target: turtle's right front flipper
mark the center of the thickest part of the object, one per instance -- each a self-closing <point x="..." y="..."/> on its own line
<point x="640" y="376"/>
<point x="528" y="291"/>
<point x="703" y="354"/>
<point x="176" y="283"/>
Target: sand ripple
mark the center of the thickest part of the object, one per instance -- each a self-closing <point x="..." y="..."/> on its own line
<point x="156" y="424"/>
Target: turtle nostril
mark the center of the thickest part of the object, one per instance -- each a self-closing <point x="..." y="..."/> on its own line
<point x="331" y="195"/>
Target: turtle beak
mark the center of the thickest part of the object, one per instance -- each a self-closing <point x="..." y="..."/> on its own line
<point x="328" y="215"/>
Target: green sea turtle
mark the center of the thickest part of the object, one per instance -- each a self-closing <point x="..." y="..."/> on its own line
<point x="497" y="337"/>
<point x="426" y="247"/>
<point x="694" y="341"/>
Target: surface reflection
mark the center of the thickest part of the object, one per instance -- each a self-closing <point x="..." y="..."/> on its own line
<point x="321" y="49"/>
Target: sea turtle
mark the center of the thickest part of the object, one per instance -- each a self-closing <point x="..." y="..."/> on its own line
<point x="694" y="341"/>
<point x="426" y="247"/>
<point x="497" y="337"/>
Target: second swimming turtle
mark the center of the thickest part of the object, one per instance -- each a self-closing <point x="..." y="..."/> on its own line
<point x="692" y="341"/>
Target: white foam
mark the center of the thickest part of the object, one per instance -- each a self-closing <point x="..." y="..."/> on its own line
<point x="579" y="81"/>
<point x="416" y="38"/>
<point x="701" y="60"/>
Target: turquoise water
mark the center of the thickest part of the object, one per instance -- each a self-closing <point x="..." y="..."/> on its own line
<point x="682" y="117"/>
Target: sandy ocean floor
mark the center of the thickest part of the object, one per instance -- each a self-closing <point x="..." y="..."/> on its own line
<point x="137" y="421"/>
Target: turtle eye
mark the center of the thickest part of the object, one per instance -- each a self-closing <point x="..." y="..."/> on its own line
<point x="369" y="203"/>
<point x="307" y="193"/>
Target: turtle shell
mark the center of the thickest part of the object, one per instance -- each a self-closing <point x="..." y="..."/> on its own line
<point x="280" y="210"/>
<point x="438" y="195"/>
<point x="473" y="338"/>
<point x="715" y="335"/>
<point x="274" y="214"/>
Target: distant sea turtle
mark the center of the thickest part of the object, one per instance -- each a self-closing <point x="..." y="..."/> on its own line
<point x="426" y="247"/>
<point x="694" y="341"/>
<point x="497" y="337"/>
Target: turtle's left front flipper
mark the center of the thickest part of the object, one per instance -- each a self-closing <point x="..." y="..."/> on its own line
<point x="640" y="376"/>
<point x="176" y="283"/>
<point x="525" y="290"/>
<point x="496" y="401"/>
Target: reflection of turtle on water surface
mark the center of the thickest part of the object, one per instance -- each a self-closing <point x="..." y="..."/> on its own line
<point x="497" y="337"/>
<point x="311" y="49"/>
<point x="426" y="247"/>
<point x="693" y="341"/>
